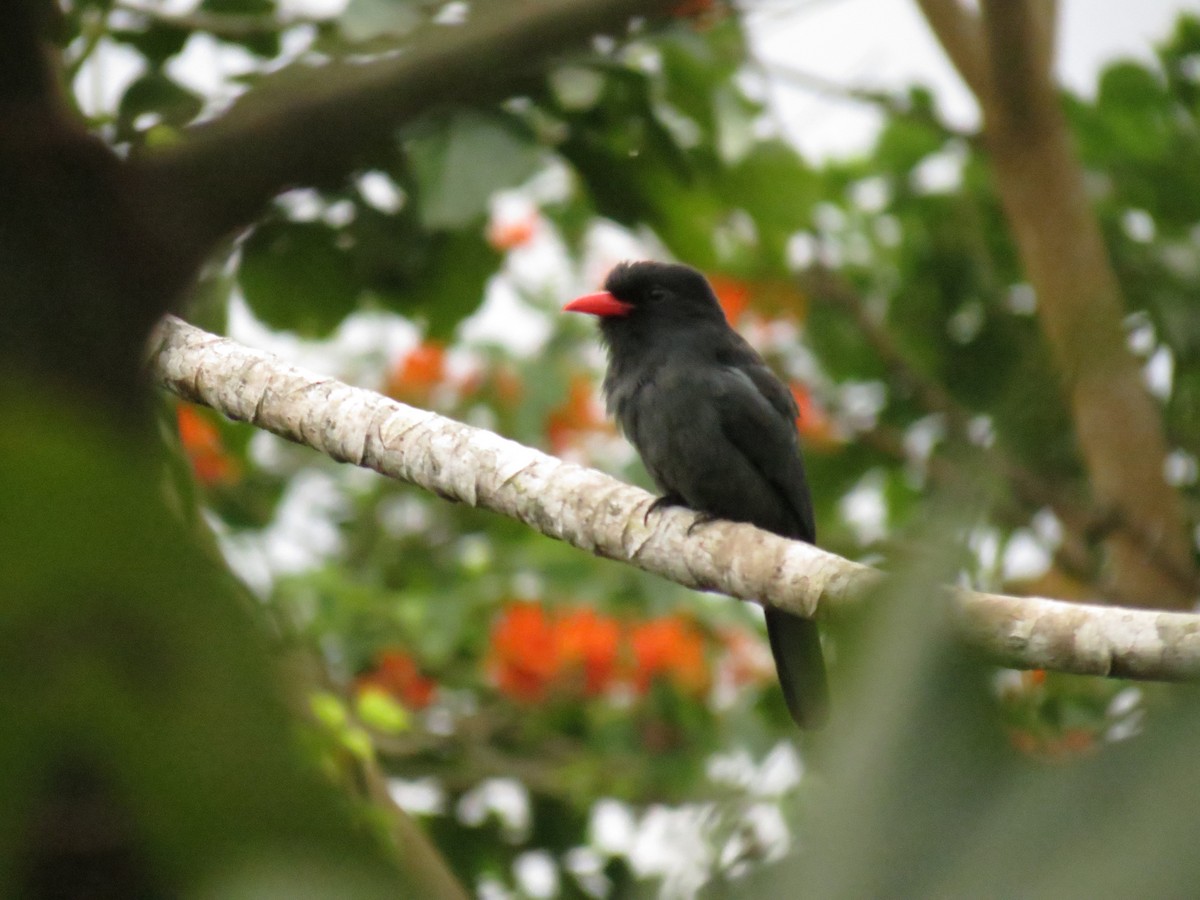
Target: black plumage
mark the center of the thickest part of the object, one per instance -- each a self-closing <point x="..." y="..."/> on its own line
<point x="715" y="429"/>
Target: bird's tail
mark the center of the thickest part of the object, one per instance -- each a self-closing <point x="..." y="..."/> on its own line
<point x="800" y="664"/>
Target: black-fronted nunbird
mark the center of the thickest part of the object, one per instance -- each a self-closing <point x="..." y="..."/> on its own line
<point x="715" y="429"/>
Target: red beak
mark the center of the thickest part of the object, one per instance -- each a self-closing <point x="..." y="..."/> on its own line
<point x="602" y="304"/>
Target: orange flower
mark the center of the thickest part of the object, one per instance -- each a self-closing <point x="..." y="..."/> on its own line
<point x="732" y="294"/>
<point x="589" y="642"/>
<point x="673" y="648"/>
<point x="397" y="674"/>
<point x="816" y="426"/>
<point x="524" y="658"/>
<point x="505" y="234"/>
<point x="1024" y="741"/>
<point x="1070" y="743"/>
<point x="1077" y="741"/>
<point x="578" y="414"/>
<point x="421" y="369"/>
<point x="508" y="386"/>
<point x="202" y="442"/>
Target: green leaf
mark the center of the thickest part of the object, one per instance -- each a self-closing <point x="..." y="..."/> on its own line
<point x="773" y="184"/>
<point x="840" y="344"/>
<point x="1184" y="407"/>
<point x="263" y="41"/>
<point x="448" y="283"/>
<point x="734" y="118"/>
<point x="1130" y="121"/>
<point x="697" y="66"/>
<point x="905" y="142"/>
<point x="576" y="88"/>
<point x="239" y="7"/>
<point x="1178" y="56"/>
<point x="157" y="94"/>
<point x="437" y="276"/>
<point x="296" y="278"/>
<point x="1130" y="85"/>
<point x="329" y="710"/>
<point x="377" y="709"/>
<point x="158" y="42"/>
<point x="460" y="162"/>
<point x="635" y="172"/>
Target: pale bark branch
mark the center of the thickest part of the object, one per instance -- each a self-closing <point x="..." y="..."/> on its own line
<point x="595" y="512"/>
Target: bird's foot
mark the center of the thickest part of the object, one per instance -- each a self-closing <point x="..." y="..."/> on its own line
<point x="662" y="502"/>
<point x="701" y="519"/>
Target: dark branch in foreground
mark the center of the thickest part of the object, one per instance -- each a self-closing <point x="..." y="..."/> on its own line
<point x="311" y="125"/>
<point x="97" y="246"/>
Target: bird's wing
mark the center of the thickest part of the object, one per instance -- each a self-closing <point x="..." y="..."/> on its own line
<point x="740" y="355"/>
<point x="742" y="438"/>
<point x="758" y="416"/>
<point x="722" y="439"/>
<point x="774" y="390"/>
<point x="711" y="436"/>
<point x="760" y="420"/>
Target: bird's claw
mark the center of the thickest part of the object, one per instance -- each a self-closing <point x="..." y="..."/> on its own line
<point x="662" y="502"/>
<point x="667" y="500"/>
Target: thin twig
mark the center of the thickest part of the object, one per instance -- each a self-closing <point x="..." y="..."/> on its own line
<point x="890" y="104"/>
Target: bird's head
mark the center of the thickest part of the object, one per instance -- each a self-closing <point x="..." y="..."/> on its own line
<point x="642" y="293"/>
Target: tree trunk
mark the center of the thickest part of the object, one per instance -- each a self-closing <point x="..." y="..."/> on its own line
<point x="1005" y="54"/>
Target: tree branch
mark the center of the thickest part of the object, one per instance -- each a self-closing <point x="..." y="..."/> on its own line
<point x="595" y="512"/>
<point x="1046" y="26"/>
<point x="1118" y="424"/>
<point x="958" y="31"/>
<point x="313" y="125"/>
<point x="1041" y="186"/>
<point x="1020" y="54"/>
<point x="424" y="864"/>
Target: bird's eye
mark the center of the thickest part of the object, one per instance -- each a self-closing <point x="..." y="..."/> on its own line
<point x="658" y="293"/>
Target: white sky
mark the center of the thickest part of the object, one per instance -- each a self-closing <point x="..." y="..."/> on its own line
<point x="885" y="44"/>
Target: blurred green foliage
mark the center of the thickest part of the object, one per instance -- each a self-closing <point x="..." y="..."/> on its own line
<point x="885" y="288"/>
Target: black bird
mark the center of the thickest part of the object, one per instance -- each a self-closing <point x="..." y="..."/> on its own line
<point x="715" y="429"/>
